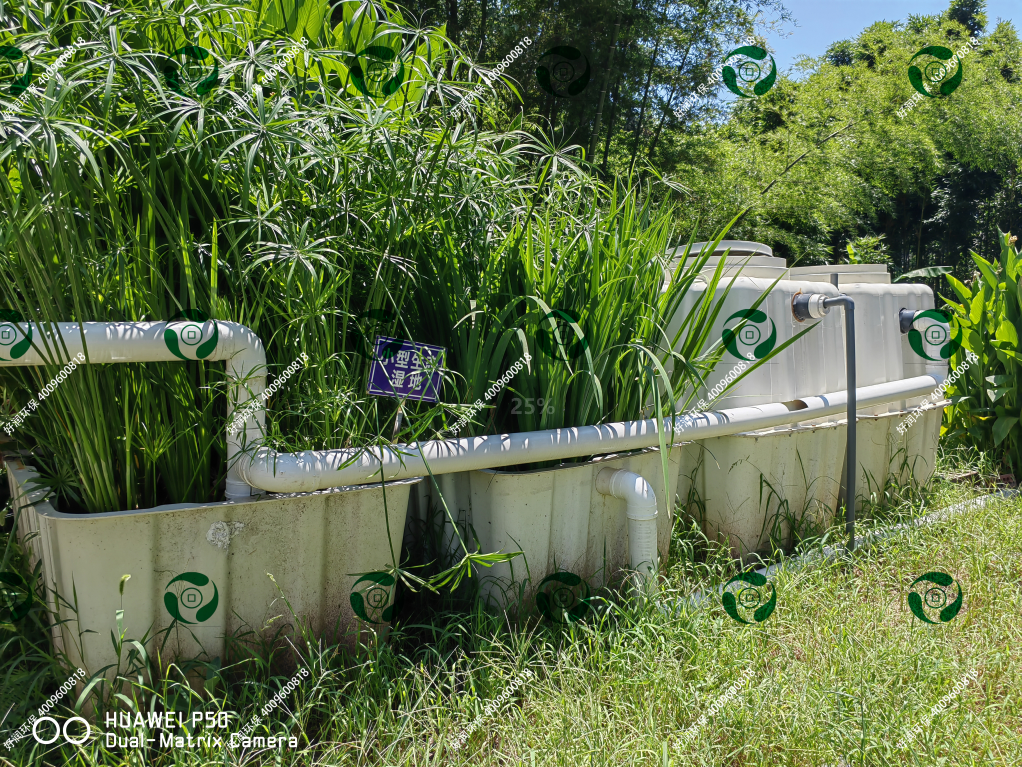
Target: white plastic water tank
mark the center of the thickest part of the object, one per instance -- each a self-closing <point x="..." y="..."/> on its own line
<point x="882" y="352"/>
<point x="806" y="368"/>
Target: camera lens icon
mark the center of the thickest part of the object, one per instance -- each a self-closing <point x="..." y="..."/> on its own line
<point x="749" y="598"/>
<point x="747" y="79"/>
<point x="563" y="597"/>
<point x="750" y="336"/>
<point x="933" y="341"/>
<point x="935" y="334"/>
<point x="935" y="71"/>
<point x="936" y="68"/>
<point x="557" y="337"/>
<point x="186" y="603"/>
<point x="749" y="72"/>
<point x="746" y="328"/>
<point x="371" y="600"/>
<point x="563" y="71"/>
<point x="377" y="72"/>
<point x="191" y="334"/>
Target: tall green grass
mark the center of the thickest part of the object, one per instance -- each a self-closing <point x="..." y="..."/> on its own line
<point x="319" y="217"/>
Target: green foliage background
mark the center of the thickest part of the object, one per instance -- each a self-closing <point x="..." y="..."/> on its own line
<point x="934" y="184"/>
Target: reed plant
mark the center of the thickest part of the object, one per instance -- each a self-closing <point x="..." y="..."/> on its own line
<point x="279" y="190"/>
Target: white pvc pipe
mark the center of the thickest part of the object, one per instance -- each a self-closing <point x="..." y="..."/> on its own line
<point x="641" y="512"/>
<point x="107" y="342"/>
<point x="310" y="470"/>
<point x="321" y="469"/>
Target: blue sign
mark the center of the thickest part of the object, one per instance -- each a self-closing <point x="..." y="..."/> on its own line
<point x="406" y="370"/>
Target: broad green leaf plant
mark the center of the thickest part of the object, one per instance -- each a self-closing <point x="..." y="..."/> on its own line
<point x="987" y="400"/>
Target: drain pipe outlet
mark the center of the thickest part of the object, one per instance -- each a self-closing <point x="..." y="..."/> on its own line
<point x="814" y="306"/>
<point x="641" y="511"/>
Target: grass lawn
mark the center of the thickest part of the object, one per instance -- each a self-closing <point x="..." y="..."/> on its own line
<point x="842" y="670"/>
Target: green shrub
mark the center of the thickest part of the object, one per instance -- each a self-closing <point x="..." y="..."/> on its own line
<point x="986" y="401"/>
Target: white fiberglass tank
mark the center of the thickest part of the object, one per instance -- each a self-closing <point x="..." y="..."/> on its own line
<point x="809" y="367"/>
<point x="882" y="352"/>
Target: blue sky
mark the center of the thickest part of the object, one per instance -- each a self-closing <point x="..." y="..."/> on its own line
<point x="821" y="22"/>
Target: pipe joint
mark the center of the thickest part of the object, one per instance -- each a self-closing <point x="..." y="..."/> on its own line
<point x="808" y="306"/>
<point x="905" y="319"/>
<point x="631" y="488"/>
<point x="843" y="301"/>
<point x="641" y="512"/>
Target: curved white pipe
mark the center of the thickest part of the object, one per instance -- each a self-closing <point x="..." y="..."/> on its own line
<point x="641" y="512"/>
<point x="310" y="470"/>
<point x="28" y="343"/>
<point x="321" y="469"/>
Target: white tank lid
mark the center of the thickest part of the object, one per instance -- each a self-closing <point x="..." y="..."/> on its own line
<point x="848" y="274"/>
<point x="754" y="258"/>
<point x="737" y="248"/>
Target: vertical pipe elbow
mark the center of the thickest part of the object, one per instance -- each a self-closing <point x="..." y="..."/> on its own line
<point x="641" y="512"/>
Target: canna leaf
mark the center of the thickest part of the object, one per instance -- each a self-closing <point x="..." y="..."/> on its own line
<point x="926" y="273"/>
<point x="1006" y="332"/>
<point x="1002" y="428"/>
<point x="999" y="380"/>
<point x="987" y="270"/>
<point x="996" y="394"/>
<point x="964" y="294"/>
<point x="976" y="310"/>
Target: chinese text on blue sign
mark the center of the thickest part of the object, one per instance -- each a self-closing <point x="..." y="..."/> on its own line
<point x="406" y="370"/>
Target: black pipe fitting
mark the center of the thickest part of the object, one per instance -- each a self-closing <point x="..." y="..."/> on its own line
<point x="905" y="319"/>
<point x="846" y="303"/>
